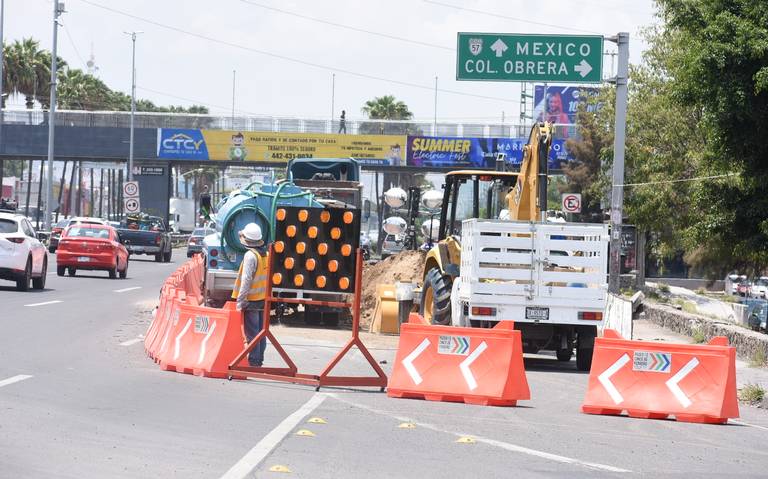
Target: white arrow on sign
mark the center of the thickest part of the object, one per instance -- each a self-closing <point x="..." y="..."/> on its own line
<point x="672" y="383"/>
<point x="605" y="378"/>
<point x="408" y="361"/>
<point x="583" y="68"/>
<point x="464" y="366"/>
<point x="499" y="47"/>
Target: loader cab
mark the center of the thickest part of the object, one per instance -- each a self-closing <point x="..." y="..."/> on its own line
<point x="473" y="194"/>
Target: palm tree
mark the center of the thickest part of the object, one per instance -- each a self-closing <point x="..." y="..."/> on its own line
<point x="387" y="108"/>
<point x="28" y="71"/>
<point x="81" y="91"/>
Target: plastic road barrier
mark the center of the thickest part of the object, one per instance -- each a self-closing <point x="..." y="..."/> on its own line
<point x="654" y="380"/>
<point x="471" y="365"/>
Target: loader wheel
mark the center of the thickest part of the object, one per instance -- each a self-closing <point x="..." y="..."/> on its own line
<point x="436" y="298"/>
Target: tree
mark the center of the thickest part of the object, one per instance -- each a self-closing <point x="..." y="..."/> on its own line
<point x="717" y="65"/>
<point x="387" y="107"/>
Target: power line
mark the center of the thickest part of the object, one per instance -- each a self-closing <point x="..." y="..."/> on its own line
<point x="290" y="59"/>
<point x="72" y="42"/>
<point x="507" y="17"/>
<point x="681" y="180"/>
<point x="347" y="27"/>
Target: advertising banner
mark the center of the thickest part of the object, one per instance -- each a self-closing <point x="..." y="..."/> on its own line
<point x="450" y="152"/>
<point x="224" y="145"/>
<point x="562" y="102"/>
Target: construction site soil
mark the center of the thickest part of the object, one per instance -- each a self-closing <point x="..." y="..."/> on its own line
<point x="405" y="266"/>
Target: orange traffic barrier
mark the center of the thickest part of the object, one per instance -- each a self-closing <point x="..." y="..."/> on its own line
<point x="654" y="380"/>
<point x="159" y="319"/>
<point x="471" y="365"/>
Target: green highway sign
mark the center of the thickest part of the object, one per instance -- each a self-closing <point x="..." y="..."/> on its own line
<point x="533" y="58"/>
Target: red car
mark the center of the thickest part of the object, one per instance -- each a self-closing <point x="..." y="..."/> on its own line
<point x="91" y="247"/>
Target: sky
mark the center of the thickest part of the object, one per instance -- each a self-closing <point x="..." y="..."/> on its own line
<point x="286" y="52"/>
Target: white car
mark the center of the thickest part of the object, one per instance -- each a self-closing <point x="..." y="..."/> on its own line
<point x="760" y="287"/>
<point x="23" y="258"/>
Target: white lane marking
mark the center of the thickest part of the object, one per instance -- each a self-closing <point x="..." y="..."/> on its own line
<point x="491" y="442"/>
<point x="605" y="378"/>
<point x="177" y="349"/>
<point x="131" y="341"/>
<point x="43" y="304"/>
<point x="14" y="379"/>
<point x="408" y="361"/>
<point x="464" y="366"/>
<point x="127" y="289"/>
<point x="252" y="458"/>
<point x="204" y="343"/>
<point x="742" y="423"/>
<point x="672" y="383"/>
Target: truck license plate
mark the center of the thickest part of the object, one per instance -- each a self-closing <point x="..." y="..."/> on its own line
<point x="536" y="313"/>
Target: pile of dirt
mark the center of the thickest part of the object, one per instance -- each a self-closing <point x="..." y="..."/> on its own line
<point x="405" y="266"/>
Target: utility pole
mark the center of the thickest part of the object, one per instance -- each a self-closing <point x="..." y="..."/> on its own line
<point x="333" y="98"/>
<point x="434" y="121"/>
<point x="617" y="192"/>
<point x="58" y="9"/>
<point x="234" y="73"/>
<point x="2" y="98"/>
<point x="133" y="101"/>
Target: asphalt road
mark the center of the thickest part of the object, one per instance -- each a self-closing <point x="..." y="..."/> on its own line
<point x="79" y="399"/>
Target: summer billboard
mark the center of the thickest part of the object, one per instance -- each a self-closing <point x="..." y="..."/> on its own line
<point x="449" y="152"/>
<point x="253" y="146"/>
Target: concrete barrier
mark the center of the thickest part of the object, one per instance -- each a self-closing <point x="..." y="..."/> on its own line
<point x="747" y="343"/>
<point x="618" y="315"/>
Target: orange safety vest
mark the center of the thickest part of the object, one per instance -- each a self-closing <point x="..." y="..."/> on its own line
<point x="259" y="284"/>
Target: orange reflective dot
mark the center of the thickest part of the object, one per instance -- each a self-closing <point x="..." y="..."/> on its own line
<point x="280" y="214"/>
<point x="333" y="266"/>
<point x="348" y="217"/>
<point x="288" y="263"/>
<point x="298" y="280"/>
<point x="344" y="283"/>
<point x="279" y="246"/>
<point x="303" y="215"/>
<point x="277" y="278"/>
<point x="301" y="247"/>
<point x="310" y="264"/>
<point x="320" y="281"/>
<point x="322" y="248"/>
<point x="335" y="233"/>
<point x="312" y="232"/>
<point x="325" y="216"/>
<point x="290" y="231"/>
<point x="346" y="250"/>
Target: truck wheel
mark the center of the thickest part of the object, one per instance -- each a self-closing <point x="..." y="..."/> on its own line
<point x="331" y="319"/>
<point x="584" y="359"/>
<point x="167" y="256"/>
<point x="436" y="298"/>
<point x="564" y="355"/>
<point x="159" y="257"/>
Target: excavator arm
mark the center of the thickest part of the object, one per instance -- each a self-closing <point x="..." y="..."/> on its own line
<point x="529" y="196"/>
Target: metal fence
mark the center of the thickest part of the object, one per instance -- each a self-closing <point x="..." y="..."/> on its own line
<point x="120" y="119"/>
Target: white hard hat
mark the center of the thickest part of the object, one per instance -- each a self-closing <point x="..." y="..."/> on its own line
<point x="251" y="232"/>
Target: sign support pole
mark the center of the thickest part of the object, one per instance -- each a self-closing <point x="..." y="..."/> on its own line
<point x="617" y="192"/>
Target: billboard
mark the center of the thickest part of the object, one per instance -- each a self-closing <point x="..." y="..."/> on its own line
<point x="450" y="152"/>
<point x="256" y="146"/>
<point x="560" y="103"/>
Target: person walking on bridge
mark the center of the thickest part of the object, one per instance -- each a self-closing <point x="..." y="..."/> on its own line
<point x="250" y="289"/>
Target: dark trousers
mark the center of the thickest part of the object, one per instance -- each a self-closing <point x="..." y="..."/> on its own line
<point x="343" y="127"/>
<point x="253" y="323"/>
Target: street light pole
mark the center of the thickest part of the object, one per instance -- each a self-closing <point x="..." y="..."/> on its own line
<point x="58" y="9"/>
<point x="234" y="72"/>
<point x="617" y="193"/>
<point x="133" y="101"/>
<point x="2" y="161"/>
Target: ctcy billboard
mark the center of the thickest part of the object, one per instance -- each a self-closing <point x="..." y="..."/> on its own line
<point x="254" y="146"/>
<point x="561" y="103"/>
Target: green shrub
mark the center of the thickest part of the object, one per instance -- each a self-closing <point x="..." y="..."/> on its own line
<point x="663" y="287"/>
<point x="752" y="393"/>
<point x="758" y="359"/>
<point x="699" y="336"/>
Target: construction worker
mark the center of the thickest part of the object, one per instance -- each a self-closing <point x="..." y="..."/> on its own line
<point x="250" y="289"/>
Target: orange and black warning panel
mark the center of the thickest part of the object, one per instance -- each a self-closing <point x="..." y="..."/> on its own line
<point x="315" y="248"/>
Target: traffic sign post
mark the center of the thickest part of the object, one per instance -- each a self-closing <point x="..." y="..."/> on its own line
<point x="530" y="58"/>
